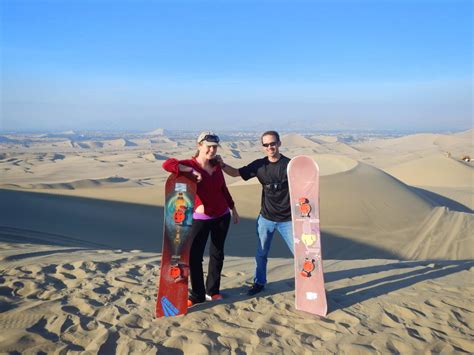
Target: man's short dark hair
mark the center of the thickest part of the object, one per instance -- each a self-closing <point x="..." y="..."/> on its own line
<point x="270" y="133"/>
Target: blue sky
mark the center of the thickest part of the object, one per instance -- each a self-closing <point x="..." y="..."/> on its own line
<point x="139" y="65"/>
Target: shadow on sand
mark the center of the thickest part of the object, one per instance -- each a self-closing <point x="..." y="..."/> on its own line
<point x="49" y="219"/>
<point x="419" y="271"/>
<point x="441" y="201"/>
<point x="340" y="298"/>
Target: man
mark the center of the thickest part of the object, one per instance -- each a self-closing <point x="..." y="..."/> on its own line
<point x="275" y="212"/>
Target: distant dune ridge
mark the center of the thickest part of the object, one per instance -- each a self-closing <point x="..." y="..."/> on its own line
<point x="299" y="141"/>
<point x="156" y="132"/>
<point x="80" y="241"/>
<point x="434" y="170"/>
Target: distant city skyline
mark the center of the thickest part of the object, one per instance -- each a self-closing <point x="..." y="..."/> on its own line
<point x="243" y="65"/>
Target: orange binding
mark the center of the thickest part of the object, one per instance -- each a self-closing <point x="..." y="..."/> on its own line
<point x="308" y="267"/>
<point x="305" y="207"/>
<point x="175" y="272"/>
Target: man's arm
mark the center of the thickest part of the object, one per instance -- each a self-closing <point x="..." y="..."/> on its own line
<point x="229" y="170"/>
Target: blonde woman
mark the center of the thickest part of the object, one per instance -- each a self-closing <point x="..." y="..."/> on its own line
<point x="213" y="208"/>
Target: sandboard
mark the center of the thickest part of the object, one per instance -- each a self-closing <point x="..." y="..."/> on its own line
<point x="174" y="272"/>
<point x="303" y="181"/>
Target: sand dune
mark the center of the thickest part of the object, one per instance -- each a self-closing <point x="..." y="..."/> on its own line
<point x="79" y="184"/>
<point x="88" y="145"/>
<point x="119" y="143"/>
<point x="364" y="205"/>
<point x="63" y="145"/>
<point x="154" y="156"/>
<point x="384" y="153"/>
<point x="79" y="250"/>
<point x="295" y="140"/>
<point x="443" y="234"/>
<point x="330" y="164"/>
<point x="434" y="170"/>
<point x="387" y="152"/>
<point x="230" y="150"/>
<point x="156" y="132"/>
<point x="414" y="142"/>
<point x="323" y="139"/>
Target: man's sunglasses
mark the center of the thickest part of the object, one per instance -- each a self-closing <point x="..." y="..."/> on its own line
<point x="271" y="144"/>
<point x="210" y="138"/>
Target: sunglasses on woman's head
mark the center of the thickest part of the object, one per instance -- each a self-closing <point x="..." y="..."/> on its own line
<point x="210" y="138"/>
<point x="271" y="144"/>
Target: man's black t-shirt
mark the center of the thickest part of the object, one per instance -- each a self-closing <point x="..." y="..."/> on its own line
<point x="275" y="194"/>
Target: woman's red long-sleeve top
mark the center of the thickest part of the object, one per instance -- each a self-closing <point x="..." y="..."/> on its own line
<point x="211" y="191"/>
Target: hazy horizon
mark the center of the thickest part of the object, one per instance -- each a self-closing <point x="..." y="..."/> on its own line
<point x="238" y="65"/>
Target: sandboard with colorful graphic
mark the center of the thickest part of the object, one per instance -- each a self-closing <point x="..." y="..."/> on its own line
<point x="174" y="272"/>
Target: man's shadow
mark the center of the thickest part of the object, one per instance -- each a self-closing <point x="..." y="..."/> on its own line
<point x="344" y="297"/>
<point x="419" y="271"/>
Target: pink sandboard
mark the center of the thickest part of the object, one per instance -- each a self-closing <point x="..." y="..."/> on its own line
<point x="303" y="180"/>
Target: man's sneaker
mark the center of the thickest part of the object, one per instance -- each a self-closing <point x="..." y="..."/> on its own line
<point x="256" y="288"/>
<point x="216" y="297"/>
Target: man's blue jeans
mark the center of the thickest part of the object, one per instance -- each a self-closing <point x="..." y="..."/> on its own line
<point x="265" y="231"/>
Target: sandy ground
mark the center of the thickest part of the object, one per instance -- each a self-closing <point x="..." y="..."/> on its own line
<point x="80" y="243"/>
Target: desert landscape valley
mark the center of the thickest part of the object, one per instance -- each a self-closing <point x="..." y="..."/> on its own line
<point x="81" y="218"/>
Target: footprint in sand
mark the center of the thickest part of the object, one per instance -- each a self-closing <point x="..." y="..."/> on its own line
<point x="276" y="320"/>
<point x="90" y="266"/>
<point x="25" y="288"/>
<point x="41" y="329"/>
<point x="414" y="333"/>
<point x="135" y="299"/>
<point x="134" y="321"/>
<point x="72" y="310"/>
<point x="102" y="290"/>
<point x="50" y="269"/>
<point x="68" y="276"/>
<point x="264" y="333"/>
<point x="81" y="338"/>
<point x="60" y="323"/>
<point x="68" y="267"/>
<point x="6" y="291"/>
<point x="390" y="320"/>
<point x="344" y="318"/>
<point x="30" y="269"/>
<point x="398" y="347"/>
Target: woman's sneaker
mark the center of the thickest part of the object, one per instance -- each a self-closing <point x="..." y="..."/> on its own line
<point x="192" y="303"/>
<point x="216" y="297"/>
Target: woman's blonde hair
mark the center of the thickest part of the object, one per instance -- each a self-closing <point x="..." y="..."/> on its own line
<point x="197" y="152"/>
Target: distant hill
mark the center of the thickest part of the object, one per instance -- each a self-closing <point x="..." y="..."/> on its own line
<point x="4" y="139"/>
<point x="156" y="132"/>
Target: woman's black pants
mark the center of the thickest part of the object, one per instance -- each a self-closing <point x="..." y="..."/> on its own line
<point x="217" y="228"/>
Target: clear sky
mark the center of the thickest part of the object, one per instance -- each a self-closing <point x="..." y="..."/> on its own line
<point x="140" y="65"/>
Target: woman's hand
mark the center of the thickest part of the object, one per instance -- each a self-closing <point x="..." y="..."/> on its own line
<point x="187" y="169"/>
<point x="197" y="175"/>
<point x="235" y="216"/>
